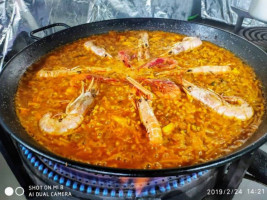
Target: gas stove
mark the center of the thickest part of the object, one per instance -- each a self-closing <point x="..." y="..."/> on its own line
<point x="43" y="178"/>
<point x="257" y="35"/>
<point x="80" y="184"/>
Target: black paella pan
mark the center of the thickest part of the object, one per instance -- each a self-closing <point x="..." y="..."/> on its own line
<point x="15" y="68"/>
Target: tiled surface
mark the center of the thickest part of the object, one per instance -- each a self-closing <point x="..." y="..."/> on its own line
<point x="247" y="187"/>
<point x="264" y="147"/>
<point x="7" y="179"/>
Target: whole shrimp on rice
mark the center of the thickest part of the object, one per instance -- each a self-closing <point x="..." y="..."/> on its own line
<point x="61" y="124"/>
<point x="241" y="110"/>
<point x="147" y="115"/>
<point x="150" y="121"/>
<point x="89" y="45"/>
<point x="188" y="43"/>
<point x="202" y="70"/>
<point x="54" y="73"/>
<point x="209" y="69"/>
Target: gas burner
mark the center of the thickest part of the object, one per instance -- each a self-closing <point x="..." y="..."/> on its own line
<point x="257" y="35"/>
<point x="98" y="186"/>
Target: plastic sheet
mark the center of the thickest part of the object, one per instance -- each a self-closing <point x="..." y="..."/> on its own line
<point x="221" y="11"/>
<point x="26" y="15"/>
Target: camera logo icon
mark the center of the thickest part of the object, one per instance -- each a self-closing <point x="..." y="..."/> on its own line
<point x="9" y="191"/>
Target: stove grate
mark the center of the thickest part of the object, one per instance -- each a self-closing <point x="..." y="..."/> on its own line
<point x="257" y="35"/>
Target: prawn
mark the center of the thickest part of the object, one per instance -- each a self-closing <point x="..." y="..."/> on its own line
<point x="72" y="118"/>
<point x="209" y="69"/>
<point x="72" y="71"/>
<point x="147" y="115"/>
<point x="150" y="121"/>
<point x="188" y="43"/>
<point x="143" y="46"/>
<point x="89" y="45"/>
<point x="241" y="110"/>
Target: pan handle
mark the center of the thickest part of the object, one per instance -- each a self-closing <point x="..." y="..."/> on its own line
<point x="44" y="28"/>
